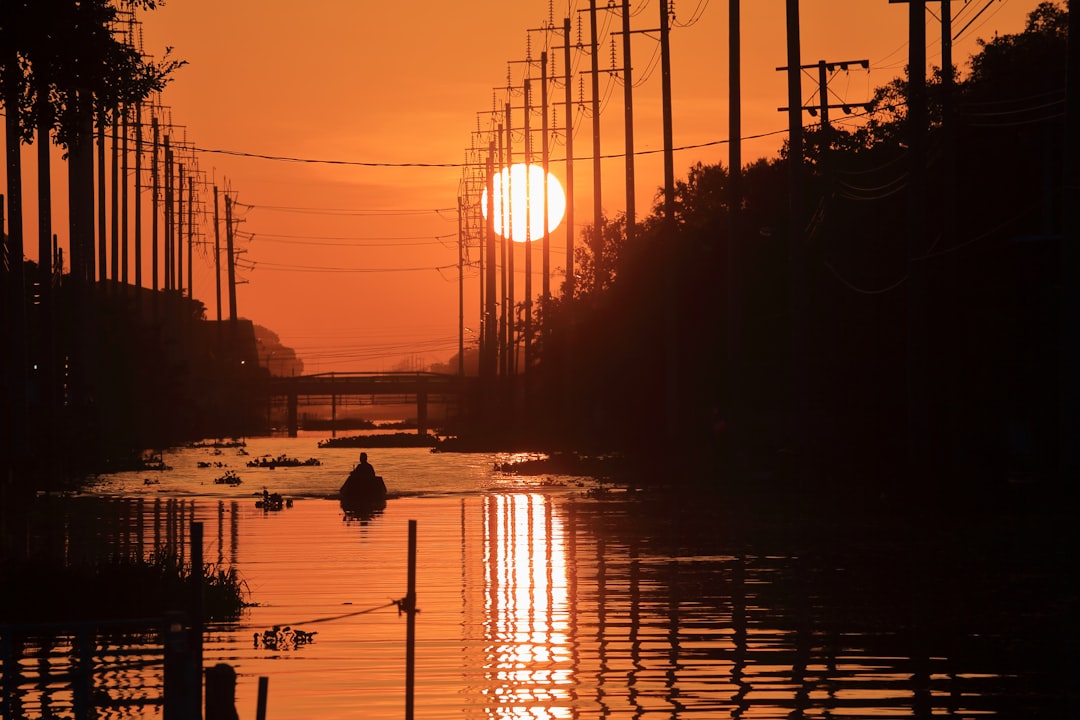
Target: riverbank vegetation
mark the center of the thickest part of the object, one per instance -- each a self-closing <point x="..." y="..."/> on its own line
<point x="114" y="588"/>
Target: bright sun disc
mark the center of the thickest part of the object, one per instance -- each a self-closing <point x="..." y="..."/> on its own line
<point x="523" y="195"/>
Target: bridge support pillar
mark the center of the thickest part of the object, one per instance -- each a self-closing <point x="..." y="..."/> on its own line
<point x="421" y="412"/>
<point x="293" y="421"/>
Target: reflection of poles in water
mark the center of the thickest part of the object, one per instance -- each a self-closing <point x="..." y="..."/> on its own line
<point x="635" y="627"/>
<point x="234" y="531"/>
<point x="157" y="524"/>
<point x="739" y="627"/>
<point x="601" y="622"/>
<point x="220" y="531"/>
<point x="804" y="638"/>
<point x="674" y="645"/>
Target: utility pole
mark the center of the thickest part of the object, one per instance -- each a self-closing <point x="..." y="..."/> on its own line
<point x="170" y="217"/>
<point x="665" y="84"/>
<point x="103" y="238"/>
<point x="124" y="195"/>
<point x="569" y="123"/>
<point x="138" y="200"/>
<point x="628" y="112"/>
<point x="732" y="256"/>
<point x="598" y="210"/>
<point x="1069" y="313"/>
<point x="178" y="284"/>
<point x="796" y="251"/>
<point x="488" y="359"/>
<point x="823" y="105"/>
<point x="461" y="291"/>
<point x="546" y="262"/>
<point x="154" y="180"/>
<point x="918" y="351"/>
<point x="528" y="237"/>
<point x="217" y="255"/>
<point x="115" y="197"/>
<point x="191" y="234"/>
<point x="508" y="223"/>
<point x="231" y="269"/>
<point x="504" y="355"/>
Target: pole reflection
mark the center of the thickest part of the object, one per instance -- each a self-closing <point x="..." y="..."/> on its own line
<point x="527" y="655"/>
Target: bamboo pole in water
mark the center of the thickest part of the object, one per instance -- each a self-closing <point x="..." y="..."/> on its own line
<point x="410" y="627"/>
<point x="260" y="707"/>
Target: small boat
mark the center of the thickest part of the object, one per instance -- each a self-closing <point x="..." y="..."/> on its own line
<point x="363" y="499"/>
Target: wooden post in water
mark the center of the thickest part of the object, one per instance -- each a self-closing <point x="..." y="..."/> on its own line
<point x="195" y="622"/>
<point x="410" y="627"/>
<point x="260" y="706"/>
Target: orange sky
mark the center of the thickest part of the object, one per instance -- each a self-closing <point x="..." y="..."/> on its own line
<point x="355" y="264"/>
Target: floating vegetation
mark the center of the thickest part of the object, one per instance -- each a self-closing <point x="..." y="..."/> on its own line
<point x="229" y="478"/>
<point x="268" y="461"/>
<point x="283" y="638"/>
<point x="387" y="440"/>
<point x="273" y="501"/>
<point x="218" y="444"/>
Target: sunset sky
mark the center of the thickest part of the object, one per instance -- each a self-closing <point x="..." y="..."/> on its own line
<point x="350" y="245"/>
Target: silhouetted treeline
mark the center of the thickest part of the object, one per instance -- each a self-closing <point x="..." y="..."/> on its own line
<point x="131" y="369"/>
<point x="681" y="343"/>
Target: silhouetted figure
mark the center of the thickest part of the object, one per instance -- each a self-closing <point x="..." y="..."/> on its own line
<point x="221" y="692"/>
<point x="363" y="489"/>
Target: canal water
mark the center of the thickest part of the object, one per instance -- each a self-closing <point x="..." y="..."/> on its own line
<point x="559" y="597"/>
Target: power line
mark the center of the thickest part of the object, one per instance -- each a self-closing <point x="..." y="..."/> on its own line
<point x="282" y="158"/>
<point x="313" y="268"/>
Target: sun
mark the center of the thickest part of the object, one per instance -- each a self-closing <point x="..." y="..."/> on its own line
<point x="523" y="195"/>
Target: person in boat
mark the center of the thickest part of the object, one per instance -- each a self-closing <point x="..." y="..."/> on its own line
<point x="363" y="486"/>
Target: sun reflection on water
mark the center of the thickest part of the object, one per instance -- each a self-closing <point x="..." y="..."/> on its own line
<point x="526" y="604"/>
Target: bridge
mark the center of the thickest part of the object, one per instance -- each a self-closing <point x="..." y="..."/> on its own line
<point x="418" y="385"/>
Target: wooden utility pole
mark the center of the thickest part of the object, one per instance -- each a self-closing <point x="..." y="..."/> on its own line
<point x="733" y="297"/>
<point x="1069" y="312"/>
<point x="170" y="216"/>
<point x="138" y="199"/>
<point x="410" y="623"/>
<point x="102" y="227"/>
<point x="124" y="250"/>
<point x="598" y="208"/>
<point x="178" y="284"/>
<point x="504" y="356"/>
<point x="231" y="265"/>
<point x="490" y="345"/>
<point x="797" y="251"/>
<point x="155" y="178"/>
<point x="115" y="197"/>
<point x="569" y="123"/>
<point x="628" y="113"/>
<point x="508" y="225"/>
<point x="528" y="235"/>
<point x="217" y="255"/>
<point x="461" y="291"/>
<point x="918" y="350"/>
<point x="46" y="319"/>
<point x="191" y="235"/>
<point x="665" y="85"/>
<point x="918" y="123"/>
<point x="546" y="249"/>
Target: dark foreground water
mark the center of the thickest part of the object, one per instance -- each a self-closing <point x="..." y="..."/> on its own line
<point x="543" y="598"/>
